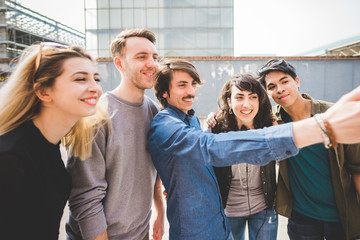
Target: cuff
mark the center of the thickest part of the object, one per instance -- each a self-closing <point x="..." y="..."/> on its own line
<point x="93" y="226"/>
<point x="281" y="141"/>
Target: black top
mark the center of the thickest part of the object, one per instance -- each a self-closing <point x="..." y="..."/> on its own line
<point x="34" y="185"/>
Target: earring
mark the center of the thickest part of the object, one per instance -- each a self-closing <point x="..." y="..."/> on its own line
<point x="230" y="111"/>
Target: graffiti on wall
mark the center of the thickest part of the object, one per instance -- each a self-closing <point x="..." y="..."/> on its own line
<point x="4" y="76"/>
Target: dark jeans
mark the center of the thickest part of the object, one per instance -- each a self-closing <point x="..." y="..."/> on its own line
<point x="301" y="227"/>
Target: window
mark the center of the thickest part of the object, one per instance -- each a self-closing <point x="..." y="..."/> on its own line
<point x="227" y="17"/>
<point x="103" y="4"/>
<point x="103" y="18"/>
<point x="90" y="4"/>
<point x="91" y="19"/>
<point x="91" y="40"/>
<point x="115" y="3"/>
<point x="152" y="18"/>
<point x="127" y="18"/>
<point x="139" y="18"/>
<point x="115" y="18"/>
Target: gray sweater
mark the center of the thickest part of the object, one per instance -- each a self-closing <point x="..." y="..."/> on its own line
<point x="113" y="189"/>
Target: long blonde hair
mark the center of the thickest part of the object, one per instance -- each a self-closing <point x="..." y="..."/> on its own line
<point x="19" y="103"/>
<point x="79" y="139"/>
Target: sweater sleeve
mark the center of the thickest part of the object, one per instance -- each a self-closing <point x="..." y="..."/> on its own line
<point x="89" y="189"/>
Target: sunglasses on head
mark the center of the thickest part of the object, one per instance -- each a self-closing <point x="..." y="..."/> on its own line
<point x="271" y="64"/>
<point x="46" y="46"/>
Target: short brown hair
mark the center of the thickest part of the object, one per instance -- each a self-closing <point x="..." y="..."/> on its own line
<point x="164" y="75"/>
<point x="119" y="43"/>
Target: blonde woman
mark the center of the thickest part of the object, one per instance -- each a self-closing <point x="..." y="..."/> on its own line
<point x="46" y="99"/>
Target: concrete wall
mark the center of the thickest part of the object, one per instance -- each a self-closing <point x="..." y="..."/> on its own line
<point x="323" y="78"/>
<point x="326" y="78"/>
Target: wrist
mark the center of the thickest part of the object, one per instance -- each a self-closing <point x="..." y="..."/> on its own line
<point x="326" y="131"/>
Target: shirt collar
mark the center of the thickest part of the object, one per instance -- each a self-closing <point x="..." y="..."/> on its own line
<point x="281" y="115"/>
<point x="183" y="116"/>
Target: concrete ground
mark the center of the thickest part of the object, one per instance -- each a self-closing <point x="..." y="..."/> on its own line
<point x="282" y="229"/>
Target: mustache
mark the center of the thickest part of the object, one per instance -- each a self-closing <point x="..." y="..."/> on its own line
<point x="189" y="97"/>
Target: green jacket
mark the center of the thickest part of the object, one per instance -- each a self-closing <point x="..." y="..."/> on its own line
<point x="344" y="161"/>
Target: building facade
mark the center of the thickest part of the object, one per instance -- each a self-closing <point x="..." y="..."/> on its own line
<point x="183" y="28"/>
<point x="20" y="27"/>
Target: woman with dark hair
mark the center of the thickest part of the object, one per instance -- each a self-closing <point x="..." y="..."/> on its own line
<point x="247" y="191"/>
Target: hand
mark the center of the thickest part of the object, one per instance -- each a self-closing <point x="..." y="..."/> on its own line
<point x="344" y="117"/>
<point x="210" y="120"/>
<point x="158" y="228"/>
<point x="102" y="236"/>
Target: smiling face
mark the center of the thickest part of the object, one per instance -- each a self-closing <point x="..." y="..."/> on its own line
<point x="138" y="62"/>
<point x="245" y="106"/>
<point x="76" y="91"/>
<point x="282" y="88"/>
<point x="182" y="90"/>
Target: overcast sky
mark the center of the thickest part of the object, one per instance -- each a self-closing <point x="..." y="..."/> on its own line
<point x="262" y="27"/>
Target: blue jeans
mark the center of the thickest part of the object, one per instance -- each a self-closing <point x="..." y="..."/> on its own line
<point x="262" y="225"/>
<point x="301" y="227"/>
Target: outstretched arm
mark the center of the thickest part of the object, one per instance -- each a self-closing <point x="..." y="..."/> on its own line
<point x="344" y="117"/>
<point x="158" y="227"/>
<point x="171" y="137"/>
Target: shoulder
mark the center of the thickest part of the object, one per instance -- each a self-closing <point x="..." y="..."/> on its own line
<point x="318" y="106"/>
<point x="151" y="105"/>
<point x="165" y="114"/>
<point x="166" y="121"/>
<point x="324" y="104"/>
<point x="13" y="139"/>
<point x="149" y="101"/>
<point x="14" y="147"/>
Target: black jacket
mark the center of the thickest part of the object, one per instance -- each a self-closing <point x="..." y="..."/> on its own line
<point x="268" y="178"/>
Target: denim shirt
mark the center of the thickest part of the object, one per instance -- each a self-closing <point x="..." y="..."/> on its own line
<point x="183" y="154"/>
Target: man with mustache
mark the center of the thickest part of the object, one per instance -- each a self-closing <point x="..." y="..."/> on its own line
<point x="184" y="155"/>
<point x="318" y="189"/>
<point x="113" y="189"/>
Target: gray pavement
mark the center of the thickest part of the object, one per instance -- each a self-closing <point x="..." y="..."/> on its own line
<point x="282" y="229"/>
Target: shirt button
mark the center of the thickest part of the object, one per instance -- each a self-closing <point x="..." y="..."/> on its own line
<point x="266" y="194"/>
<point x="288" y="152"/>
<point x="264" y="182"/>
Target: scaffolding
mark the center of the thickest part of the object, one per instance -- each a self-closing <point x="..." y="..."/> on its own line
<point x="350" y="49"/>
<point x="21" y="27"/>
